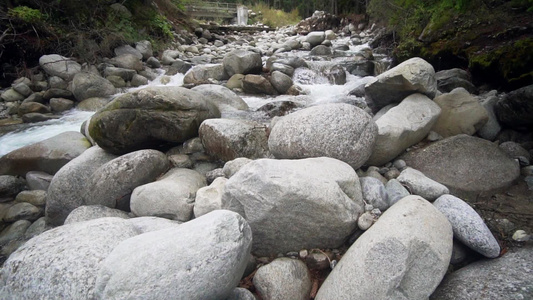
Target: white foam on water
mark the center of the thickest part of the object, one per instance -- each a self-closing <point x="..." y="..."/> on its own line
<point x="71" y="121"/>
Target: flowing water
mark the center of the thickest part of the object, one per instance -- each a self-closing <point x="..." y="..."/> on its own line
<point x="313" y="80"/>
<point x="70" y="121"/>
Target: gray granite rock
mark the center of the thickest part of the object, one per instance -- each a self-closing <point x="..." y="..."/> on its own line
<point x="172" y="196"/>
<point x="402" y="256"/>
<point x="419" y="184"/>
<point x="374" y="192"/>
<point x="201" y="259"/>
<point x="508" y="277"/>
<point x="340" y="131"/>
<point x="468" y="227"/>
<point x="283" y="278"/>
<point x="67" y="188"/>
<point x="91" y="212"/>
<point x="395" y="191"/>
<point x="71" y="255"/>
<point x="48" y="156"/>
<point x="38" y="180"/>
<point x="296" y="204"/>
<point x="209" y="198"/>
<point x="111" y="184"/>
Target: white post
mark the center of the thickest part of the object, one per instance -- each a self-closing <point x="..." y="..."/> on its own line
<point x="242" y="15"/>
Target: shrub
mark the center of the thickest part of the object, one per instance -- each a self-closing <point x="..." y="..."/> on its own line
<point x="26" y="14"/>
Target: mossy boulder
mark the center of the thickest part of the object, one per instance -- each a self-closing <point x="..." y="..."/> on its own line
<point x="150" y="118"/>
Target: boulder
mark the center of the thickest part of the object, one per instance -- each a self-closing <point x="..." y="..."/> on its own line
<point x="321" y="50"/>
<point x="127" y="61"/>
<point x="38" y="180"/>
<point x="150" y="117"/>
<point x="227" y="139"/>
<point x="374" y="192"/>
<point x="60" y="104"/>
<point x="201" y="259"/>
<point x="448" y="80"/>
<point x="36" y="228"/>
<point x="341" y="131"/>
<point x="201" y="73"/>
<point x="92" y="212"/>
<point x="125" y="74"/>
<point x="283" y="68"/>
<point x="171" y="196"/>
<point x="92" y="104"/>
<point x="46" y="156"/>
<point x="235" y="82"/>
<point x="414" y="75"/>
<point x="257" y="84"/>
<point x="242" y="62"/>
<point x="233" y="166"/>
<point x="10" y="186"/>
<point x="466" y="165"/>
<point x="36" y="197"/>
<point x="145" y="48"/>
<point x="32" y="107"/>
<point x="112" y="183"/>
<point x="395" y="191"/>
<point x="315" y="38"/>
<point x="490" y="130"/>
<point x="515" y="110"/>
<point x="467" y="225"/>
<point x="418" y="184"/>
<point x="169" y="56"/>
<point x="295" y="204"/>
<point x="127" y="49"/>
<point x="37" y="117"/>
<point x="404" y="255"/>
<point x="57" y="65"/>
<point x="72" y="255"/>
<point x="22" y="211"/>
<point x="221" y="97"/>
<point x="88" y="85"/>
<point x="508" y="277"/>
<point x="209" y="198"/>
<point x="403" y="126"/>
<point x="10" y="95"/>
<point x="68" y="185"/>
<point x="460" y="113"/>
<point x="283" y="278"/>
<point x="241" y="294"/>
<point x="138" y="80"/>
<point x="14" y="231"/>
<point x="57" y="93"/>
<point x="280" y="81"/>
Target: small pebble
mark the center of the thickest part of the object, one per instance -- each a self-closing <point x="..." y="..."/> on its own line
<point x="521" y="236"/>
<point x="303" y="253"/>
<point x="399" y="164"/>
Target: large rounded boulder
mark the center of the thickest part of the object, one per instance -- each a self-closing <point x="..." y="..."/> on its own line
<point x="340" y="131"/>
<point x="403" y="126"/>
<point x="467" y="165"/>
<point x="242" y="62"/>
<point x="295" y="204"/>
<point x="149" y="118"/>
<point x="403" y="256"/>
<point x="414" y="75"/>
<point x="48" y="156"/>
<point x="201" y="259"/>
<point x="89" y="85"/>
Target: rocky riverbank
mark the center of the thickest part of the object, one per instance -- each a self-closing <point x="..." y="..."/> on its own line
<point x="391" y="190"/>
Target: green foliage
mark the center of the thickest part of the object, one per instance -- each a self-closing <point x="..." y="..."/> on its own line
<point x="276" y="17"/>
<point x="26" y="14"/>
